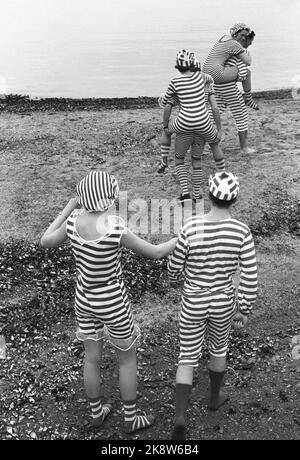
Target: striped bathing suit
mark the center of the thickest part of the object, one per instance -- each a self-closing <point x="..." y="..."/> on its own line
<point x="229" y="95"/>
<point x="208" y="254"/>
<point x="193" y="118"/>
<point x="216" y="64"/>
<point x="101" y="297"/>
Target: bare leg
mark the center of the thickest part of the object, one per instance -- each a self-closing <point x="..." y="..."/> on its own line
<point x="91" y="375"/>
<point x="128" y="374"/>
<point x="247" y="86"/>
<point x="243" y="137"/>
<point x="128" y="389"/>
<point x="218" y="156"/>
<point x="165" y="145"/>
<point x="91" y="369"/>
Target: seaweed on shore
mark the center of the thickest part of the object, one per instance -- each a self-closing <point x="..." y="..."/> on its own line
<point x="17" y="103"/>
<point x="49" y="278"/>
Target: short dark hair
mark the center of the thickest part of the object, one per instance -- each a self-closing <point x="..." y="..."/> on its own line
<point x="221" y="203"/>
<point x="181" y="68"/>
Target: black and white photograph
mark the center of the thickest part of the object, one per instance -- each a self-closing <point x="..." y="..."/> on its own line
<point x="149" y="223"/>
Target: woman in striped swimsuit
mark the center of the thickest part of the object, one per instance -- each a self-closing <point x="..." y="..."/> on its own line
<point x="228" y="62"/>
<point x="101" y="303"/>
<point x="193" y="123"/>
<point x="209" y="250"/>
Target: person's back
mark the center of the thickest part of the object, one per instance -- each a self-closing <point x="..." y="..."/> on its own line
<point x="208" y="252"/>
<point x="102" y="307"/>
<point x="96" y="247"/>
<point x="214" y="252"/>
<point x="220" y="53"/>
<point x="188" y="90"/>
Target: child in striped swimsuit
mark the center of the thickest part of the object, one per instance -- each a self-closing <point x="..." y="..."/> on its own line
<point x="193" y="123"/>
<point x="101" y="303"/>
<point x="228" y="62"/>
<point x="209" y="250"/>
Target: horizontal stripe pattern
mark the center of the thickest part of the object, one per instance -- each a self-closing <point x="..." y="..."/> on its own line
<point x="229" y="95"/>
<point x="209" y="315"/>
<point x="101" y="296"/>
<point x="208" y="254"/>
<point x="215" y="63"/>
<point x="193" y="114"/>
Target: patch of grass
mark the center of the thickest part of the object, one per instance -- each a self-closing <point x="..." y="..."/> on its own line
<point x="275" y="212"/>
<point x="49" y="276"/>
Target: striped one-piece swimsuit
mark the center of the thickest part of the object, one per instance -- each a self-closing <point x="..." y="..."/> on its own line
<point x="215" y="63"/>
<point x="193" y="115"/>
<point x="101" y="297"/>
<point x="208" y="255"/>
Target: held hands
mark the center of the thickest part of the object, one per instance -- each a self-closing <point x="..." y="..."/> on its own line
<point x="240" y="321"/>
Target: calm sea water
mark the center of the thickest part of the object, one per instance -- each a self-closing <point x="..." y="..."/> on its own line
<point x="127" y="48"/>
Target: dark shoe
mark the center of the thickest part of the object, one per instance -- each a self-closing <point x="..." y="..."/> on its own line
<point x="184" y="197"/>
<point x="162" y="167"/>
<point x="196" y="200"/>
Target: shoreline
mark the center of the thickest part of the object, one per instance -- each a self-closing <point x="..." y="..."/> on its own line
<point x="19" y="103"/>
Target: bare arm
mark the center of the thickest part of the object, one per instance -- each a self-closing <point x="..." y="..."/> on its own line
<point x="131" y="241"/>
<point x="215" y="111"/>
<point x="245" y="58"/>
<point x="56" y="233"/>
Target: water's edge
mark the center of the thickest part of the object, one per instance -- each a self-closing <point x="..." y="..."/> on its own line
<point x="20" y="103"/>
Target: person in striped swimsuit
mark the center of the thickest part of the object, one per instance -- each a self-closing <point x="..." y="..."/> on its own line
<point x="193" y="123"/>
<point x="197" y="149"/>
<point x="102" y="307"/>
<point x="209" y="250"/>
<point x="228" y="62"/>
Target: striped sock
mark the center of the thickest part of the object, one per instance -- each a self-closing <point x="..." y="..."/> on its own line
<point x="164" y="154"/>
<point x="97" y="408"/>
<point x="220" y="164"/>
<point x="197" y="181"/>
<point x="249" y="100"/>
<point x="181" y="172"/>
<point x="134" y="422"/>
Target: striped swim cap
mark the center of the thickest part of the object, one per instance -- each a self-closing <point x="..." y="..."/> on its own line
<point x="97" y="191"/>
<point x="224" y="186"/>
<point x="183" y="59"/>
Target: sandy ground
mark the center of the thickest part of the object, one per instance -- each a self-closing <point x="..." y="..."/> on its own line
<point x="44" y="154"/>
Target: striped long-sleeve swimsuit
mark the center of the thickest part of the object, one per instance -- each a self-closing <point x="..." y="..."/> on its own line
<point x="101" y="297"/>
<point x="224" y="65"/>
<point x="193" y="119"/>
<point x="207" y="255"/>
